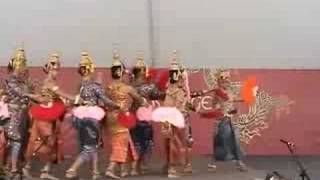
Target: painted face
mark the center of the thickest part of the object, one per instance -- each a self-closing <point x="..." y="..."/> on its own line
<point x="116" y="72"/>
<point x="83" y="71"/>
<point x="174" y="76"/>
<point x="139" y="72"/>
<point x="119" y="72"/>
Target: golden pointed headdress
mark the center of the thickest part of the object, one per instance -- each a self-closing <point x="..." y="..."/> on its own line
<point x="53" y="61"/>
<point x="19" y="60"/>
<point x="140" y="61"/>
<point x="116" y="58"/>
<point x="174" y="65"/>
<point x="87" y="62"/>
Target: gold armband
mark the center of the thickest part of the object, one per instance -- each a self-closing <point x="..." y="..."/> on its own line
<point x="77" y="100"/>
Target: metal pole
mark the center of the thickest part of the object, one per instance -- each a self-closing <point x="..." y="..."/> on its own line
<point x="151" y="32"/>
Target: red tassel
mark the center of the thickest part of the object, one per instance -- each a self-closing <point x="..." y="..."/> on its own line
<point x="127" y="119"/>
<point x="151" y="74"/>
<point x="48" y="114"/>
<point x="162" y="80"/>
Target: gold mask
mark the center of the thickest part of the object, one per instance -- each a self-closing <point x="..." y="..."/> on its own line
<point x="19" y="61"/>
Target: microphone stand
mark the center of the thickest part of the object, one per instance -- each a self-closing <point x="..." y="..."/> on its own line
<point x="303" y="171"/>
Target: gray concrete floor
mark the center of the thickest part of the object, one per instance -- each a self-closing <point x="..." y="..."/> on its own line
<point x="258" y="167"/>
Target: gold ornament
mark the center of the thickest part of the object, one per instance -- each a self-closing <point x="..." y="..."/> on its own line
<point x="140" y="61"/>
<point x="53" y="61"/>
<point x="87" y="62"/>
<point x="174" y="65"/>
<point x="116" y="58"/>
<point x="19" y="61"/>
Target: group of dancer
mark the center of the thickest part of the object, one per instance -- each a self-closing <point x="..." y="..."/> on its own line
<point x="31" y="118"/>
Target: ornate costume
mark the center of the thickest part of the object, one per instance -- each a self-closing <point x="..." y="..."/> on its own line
<point x="16" y="130"/>
<point x="176" y="98"/>
<point x="142" y="133"/>
<point x="122" y="145"/>
<point x="46" y="116"/>
<point x="88" y="115"/>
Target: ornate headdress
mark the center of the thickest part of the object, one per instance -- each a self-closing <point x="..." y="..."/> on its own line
<point x="19" y="61"/>
<point x="53" y="62"/>
<point x="140" y="61"/>
<point x="174" y="65"/>
<point x="87" y="62"/>
<point x="116" y="59"/>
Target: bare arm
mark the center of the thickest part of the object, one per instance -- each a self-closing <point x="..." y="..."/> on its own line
<point x="136" y="96"/>
<point x="35" y="97"/>
<point x="65" y="95"/>
<point x="100" y="93"/>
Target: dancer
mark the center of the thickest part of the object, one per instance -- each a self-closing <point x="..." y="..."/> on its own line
<point x="46" y="118"/>
<point x="142" y="133"/>
<point x="4" y="119"/>
<point x="87" y="117"/>
<point x="175" y="98"/>
<point x="123" y="150"/>
<point x="226" y="144"/>
<point x="16" y="130"/>
<point x="187" y="131"/>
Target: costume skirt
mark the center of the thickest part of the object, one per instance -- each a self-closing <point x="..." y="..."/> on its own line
<point x="92" y="112"/>
<point x="142" y="136"/>
<point x="48" y="114"/>
<point x="122" y="147"/>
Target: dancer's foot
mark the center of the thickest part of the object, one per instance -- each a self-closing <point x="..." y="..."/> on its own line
<point x="124" y="174"/>
<point x="46" y="175"/>
<point x="134" y="172"/>
<point x="188" y="169"/>
<point x="26" y="173"/>
<point x="242" y="168"/>
<point x="71" y="174"/>
<point x="172" y="173"/>
<point x="212" y="167"/>
<point x="96" y="175"/>
<point x="111" y="175"/>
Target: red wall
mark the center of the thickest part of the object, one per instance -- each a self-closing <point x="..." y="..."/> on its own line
<point x="299" y="122"/>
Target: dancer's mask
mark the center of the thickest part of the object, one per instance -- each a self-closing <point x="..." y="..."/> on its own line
<point x="86" y="66"/>
<point x="53" y="63"/>
<point x="117" y="68"/>
<point x="19" y="61"/>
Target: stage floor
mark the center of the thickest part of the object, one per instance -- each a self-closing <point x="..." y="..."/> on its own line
<point x="258" y="167"/>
